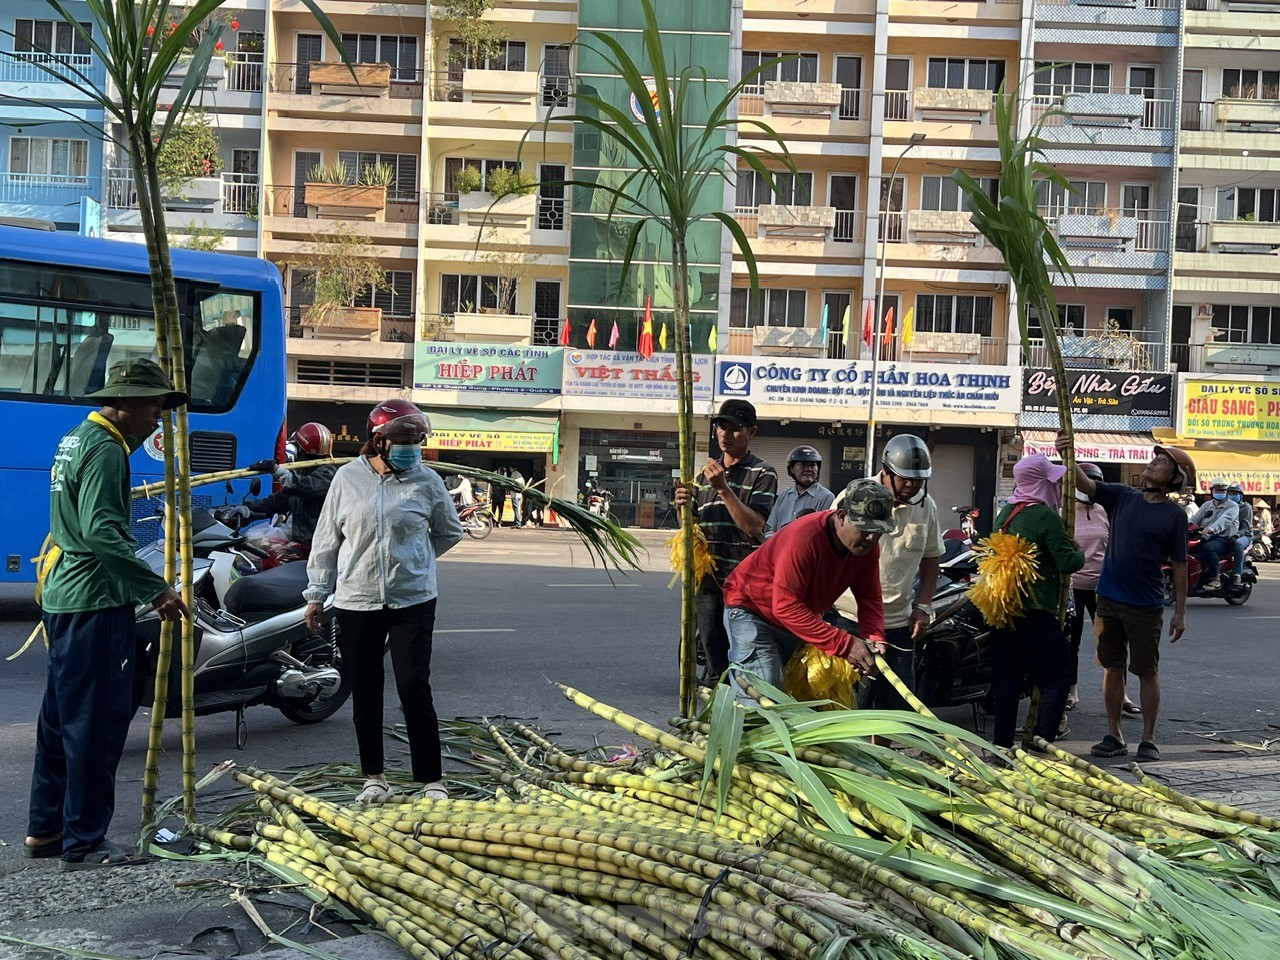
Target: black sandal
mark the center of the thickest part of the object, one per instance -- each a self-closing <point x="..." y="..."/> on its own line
<point x="43" y="849"/>
<point x="107" y="854"/>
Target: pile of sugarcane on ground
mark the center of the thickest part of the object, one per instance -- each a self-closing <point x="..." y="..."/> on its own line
<point x="780" y="830"/>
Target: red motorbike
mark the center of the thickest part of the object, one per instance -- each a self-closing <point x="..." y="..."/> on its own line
<point x="1235" y="592"/>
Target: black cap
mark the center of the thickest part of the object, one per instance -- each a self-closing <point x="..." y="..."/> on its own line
<point x="738" y="412"/>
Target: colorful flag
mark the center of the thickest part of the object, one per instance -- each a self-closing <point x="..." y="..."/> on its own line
<point x="646" y="330"/>
<point x="662" y="337"/>
<point x="909" y="327"/>
<point x="844" y="319"/>
<point x="713" y="339"/>
<point x="613" y="336"/>
<point x="566" y="332"/>
<point x="867" y="334"/>
<point x="888" y="328"/>
<point x="591" y="333"/>
<point x="823" y="332"/>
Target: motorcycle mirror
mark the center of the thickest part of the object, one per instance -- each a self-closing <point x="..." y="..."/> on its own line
<point x="230" y="487"/>
<point x="255" y="486"/>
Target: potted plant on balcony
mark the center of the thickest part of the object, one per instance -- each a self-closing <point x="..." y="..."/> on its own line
<point x="212" y="73"/>
<point x="507" y="197"/>
<point x="189" y="163"/>
<point x="336" y="195"/>
<point x="344" y="267"/>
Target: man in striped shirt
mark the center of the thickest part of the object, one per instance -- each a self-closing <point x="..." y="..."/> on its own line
<point x="731" y="500"/>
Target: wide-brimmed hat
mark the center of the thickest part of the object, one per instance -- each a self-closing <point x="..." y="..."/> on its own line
<point x="869" y="505"/>
<point x="139" y="377"/>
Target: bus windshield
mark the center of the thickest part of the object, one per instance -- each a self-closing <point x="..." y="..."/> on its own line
<point x="61" y="330"/>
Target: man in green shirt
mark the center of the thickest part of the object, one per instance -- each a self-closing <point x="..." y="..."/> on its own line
<point x="92" y="582"/>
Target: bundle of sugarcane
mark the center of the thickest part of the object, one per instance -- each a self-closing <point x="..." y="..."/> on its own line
<point x="778" y="830"/>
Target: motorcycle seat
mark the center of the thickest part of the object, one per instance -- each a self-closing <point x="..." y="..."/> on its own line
<point x="275" y="590"/>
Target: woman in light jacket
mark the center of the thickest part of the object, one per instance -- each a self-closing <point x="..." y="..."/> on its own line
<point x="384" y="524"/>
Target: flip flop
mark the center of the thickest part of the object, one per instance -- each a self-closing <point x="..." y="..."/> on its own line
<point x="1132" y="709"/>
<point x="107" y="854"/>
<point x="50" y="847"/>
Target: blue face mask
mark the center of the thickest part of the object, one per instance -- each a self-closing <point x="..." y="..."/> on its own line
<point x="402" y="456"/>
<point x="1237" y="497"/>
<point x="1216" y="495"/>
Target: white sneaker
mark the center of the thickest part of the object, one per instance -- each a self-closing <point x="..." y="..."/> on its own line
<point x="376" y="790"/>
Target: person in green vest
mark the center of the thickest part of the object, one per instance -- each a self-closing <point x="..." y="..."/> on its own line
<point x="91" y="583"/>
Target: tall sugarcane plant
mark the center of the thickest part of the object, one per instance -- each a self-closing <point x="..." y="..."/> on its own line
<point x="672" y="173"/>
<point x="140" y="43"/>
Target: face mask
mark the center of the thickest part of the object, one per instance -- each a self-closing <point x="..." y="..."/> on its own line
<point x="1082" y="497"/>
<point x="1237" y="497"/>
<point x="402" y="456"/>
<point x="1219" y="496"/>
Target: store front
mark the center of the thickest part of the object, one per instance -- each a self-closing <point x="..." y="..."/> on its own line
<point x="637" y="467"/>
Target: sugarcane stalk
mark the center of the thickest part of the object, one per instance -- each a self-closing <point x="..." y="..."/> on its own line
<point x="688" y="692"/>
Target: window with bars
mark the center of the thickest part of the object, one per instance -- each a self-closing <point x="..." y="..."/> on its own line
<point x="1237" y="323"/>
<point x="1249" y="203"/>
<point x="51" y="36"/>
<point x="508" y="55"/>
<point x="964" y="73"/>
<point x="404" y="185"/>
<point x="1053" y="80"/>
<point x="394" y="297"/>
<point x="954" y="313"/>
<point x="399" y="51"/>
<point x="455" y="165"/>
<point x="49" y="158"/>
<point x="350" y="373"/>
<point x="790" y="189"/>
<point x="1071" y="317"/>
<point x="465" y="292"/>
<point x="1078" y="196"/>
<point x="557" y="84"/>
<point x="798" y="66"/>
<point x="766" y="308"/>
<point x="942" y="193"/>
<point x="1251" y="84"/>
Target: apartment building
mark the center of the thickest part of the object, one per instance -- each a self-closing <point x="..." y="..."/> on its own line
<point x="1159" y="116"/>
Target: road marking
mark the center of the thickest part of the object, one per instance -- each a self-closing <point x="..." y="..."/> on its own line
<point x="1259" y="618"/>
<point x="481" y="630"/>
<point x="593" y="584"/>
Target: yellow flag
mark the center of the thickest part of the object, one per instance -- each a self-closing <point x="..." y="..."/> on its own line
<point x="662" y="337"/>
<point x="713" y="340"/>
<point x="909" y="327"/>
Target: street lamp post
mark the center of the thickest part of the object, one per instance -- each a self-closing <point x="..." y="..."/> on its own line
<point x="915" y="141"/>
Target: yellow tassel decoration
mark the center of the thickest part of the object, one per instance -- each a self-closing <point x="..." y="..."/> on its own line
<point x="703" y="563"/>
<point x="1006" y="571"/>
<point x="814" y="674"/>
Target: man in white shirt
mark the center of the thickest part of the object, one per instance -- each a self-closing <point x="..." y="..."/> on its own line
<point x="462" y="493"/>
<point x="804" y="466"/>
<point x="913" y="548"/>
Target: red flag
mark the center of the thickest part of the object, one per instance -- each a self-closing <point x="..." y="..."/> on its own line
<point x="646" y="331"/>
<point x="867" y="335"/>
<point x="591" y="333"/>
<point x="565" y="333"/>
<point x="613" y="336"/>
<point x="888" y="328"/>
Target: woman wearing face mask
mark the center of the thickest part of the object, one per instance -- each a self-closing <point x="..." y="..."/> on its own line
<point x="385" y="522"/>
<point x="1034" y="642"/>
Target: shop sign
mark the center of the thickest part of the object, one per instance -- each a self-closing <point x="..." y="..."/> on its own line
<point x="488" y="367"/>
<point x="604" y="373"/>
<point x="1089" y="451"/>
<point x="1264" y="483"/>
<point x="497" y="441"/>
<point x="932" y="386"/>
<point x="1239" y="409"/>
<point x="1113" y="392"/>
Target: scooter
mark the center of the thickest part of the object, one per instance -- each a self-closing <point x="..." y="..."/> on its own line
<point x="599" y="500"/>
<point x="1265" y="548"/>
<point x="968" y="520"/>
<point x="476" y="519"/>
<point x="1236" y="593"/>
<point x="252" y="642"/>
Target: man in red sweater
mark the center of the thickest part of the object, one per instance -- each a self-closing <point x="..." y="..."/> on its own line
<point x="775" y="599"/>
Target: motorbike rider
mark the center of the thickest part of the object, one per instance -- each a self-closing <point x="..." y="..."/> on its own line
<point x="1218" y="520"/>
<point x="1244" y="535"/>
<point x="912" y="548"/>
<point x="302" y="496"/>
<point x="804" y="466"/>
<point x="462" y="494"/>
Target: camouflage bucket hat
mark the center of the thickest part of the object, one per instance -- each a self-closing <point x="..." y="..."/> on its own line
<point x="139" y="377"/>
<point x="869" y="505"/>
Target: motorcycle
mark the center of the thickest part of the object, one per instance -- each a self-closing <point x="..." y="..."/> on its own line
<point x="476" y="519"/>
<point x="968" y="520"/>
<point x="1265" y="548"/>
<point x="953" y="665"/>
<point x="599" y="501"/>
<point x="252" y="644"/>
<point x="1234" y="592"/>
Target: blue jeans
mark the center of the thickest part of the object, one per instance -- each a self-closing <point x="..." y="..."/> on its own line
<point x="1242" y="545"/>
<point x="517" y="506"/>
<point x="1212" y="551"/>
<point x="757" y="647"/>
<point x="84" y="720"/>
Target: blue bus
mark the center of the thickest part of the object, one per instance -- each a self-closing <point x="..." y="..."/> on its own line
<point x="72" y="306"/>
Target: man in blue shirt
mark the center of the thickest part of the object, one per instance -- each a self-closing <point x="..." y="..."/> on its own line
<point x="804" y="466"/>
<point x="1148" y="530"/>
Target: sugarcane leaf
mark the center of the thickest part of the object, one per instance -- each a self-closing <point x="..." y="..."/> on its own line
<point x="811" y="787"/>
<point x="723" y="744"/>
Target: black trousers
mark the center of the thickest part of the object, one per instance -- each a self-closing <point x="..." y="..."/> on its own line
<point x="364" y="636"/>
<point x="712" y="636"/>
<point x="1035" y="645"/>
<point x="1085" y="600"/>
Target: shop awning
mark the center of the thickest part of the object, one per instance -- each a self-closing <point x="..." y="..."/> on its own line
<point x="492" y="431"/>
<point x="1258" y="473"/>
<point x="1094" y="447"/>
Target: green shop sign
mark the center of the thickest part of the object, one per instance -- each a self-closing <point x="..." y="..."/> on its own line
<point x="489" y="367"/>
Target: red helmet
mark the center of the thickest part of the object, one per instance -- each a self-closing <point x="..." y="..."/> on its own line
<point x="397" y="415"/>
<point x="314" y="439"/>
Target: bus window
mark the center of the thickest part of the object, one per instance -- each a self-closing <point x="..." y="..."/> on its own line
<point x="222" y="342"/>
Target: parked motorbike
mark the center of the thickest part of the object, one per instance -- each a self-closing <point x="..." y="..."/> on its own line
<point x="476" y="519"/>
<point x="252" y="642"/>
<point x="1234" y="592"/>
<point x="599" y="500"/>
<point x="1266" y="547"/>
<point x="968" y="520"/>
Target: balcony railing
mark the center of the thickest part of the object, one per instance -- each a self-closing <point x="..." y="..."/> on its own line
<point x="1118" y="107"/>
<point x="897" y="104"/>
<point x="240" y="193"/>
<point x="290" y="201"/>
<point x="891" y="226"/>
<point x="43" y="190"/>
<point x="1138" y="350"/>
<point x="38" y="67"/>
<point x="1152" y="226"/>
<point x="853" y="102"/>
<point x="447" y="86"/>
<point x="848" y="224"/>
<point x="296" y="78"/>
<point x="244" y="72"/>
<point x="1125" y="4"/>
<point x="1235" y="6"/>
<point x="397" y="328"/>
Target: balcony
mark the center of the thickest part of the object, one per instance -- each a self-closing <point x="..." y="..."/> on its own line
<point x="1250" y="358"/>
<point x="45" y="197"/>
<point x="291" y="201"/>
<point x="492" y="327"/>
<point x="1117" y="17"/>
<point x="472" y="85"/>
<point x="945" y="239"/>
<point x="1137" y="350"/>
<point x="245" y="72"/>
<point x="47" y="76"/>
<point x="945" y="115"/>
<point x="1086" y="234"/>
<point x="322" y="90"/>
<point x="948" y="347"/>
<point x="1107" y="118"/>
<point x="1207" y="22"/>
<point x="790" y="231"/>
<point x="367" y="323"/>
